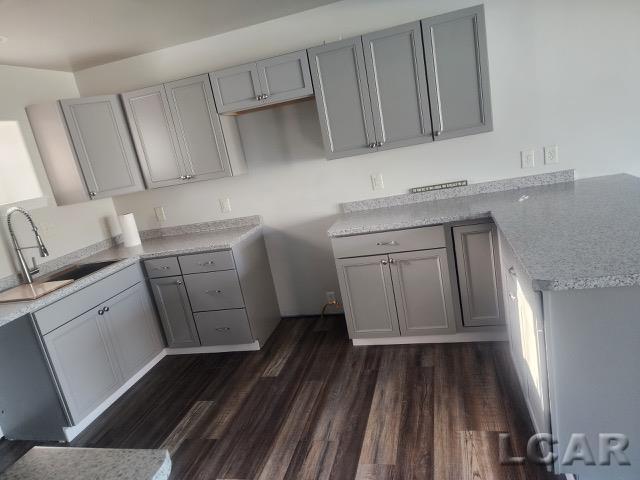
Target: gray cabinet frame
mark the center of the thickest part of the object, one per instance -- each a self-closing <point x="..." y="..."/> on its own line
<point x="175" y="312"/>
<point x="249" y="97"/>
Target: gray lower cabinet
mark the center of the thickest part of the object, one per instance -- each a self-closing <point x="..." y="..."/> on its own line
<point x="266" y="82"/>
<point x="478" y="265"/>
<point x="84" y="363"/>
<point x="367" y="294"/>
<point x="102" y="145"/>
<point x="174" y="308"/>
<point x="455" y="48"/>
<point x="422" y="289"/>
<point x="342" y="98"/>
<point x="398" y="86"/>
<point x="223" y="327"/>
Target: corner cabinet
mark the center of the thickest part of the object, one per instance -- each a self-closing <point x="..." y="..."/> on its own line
<point x="179" y="136"/>
<point x="263" y="83"/>
<point x="455" y="47"/>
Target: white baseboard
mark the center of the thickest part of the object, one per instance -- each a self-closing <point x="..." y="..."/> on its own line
<point x="452" y="338"/>
<point x="73" y="432"/>
<point x="244" y="347"/>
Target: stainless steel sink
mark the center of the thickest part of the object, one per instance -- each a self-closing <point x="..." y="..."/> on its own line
<point x="76" y="272"/>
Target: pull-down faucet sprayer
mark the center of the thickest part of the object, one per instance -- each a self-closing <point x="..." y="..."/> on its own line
<point x="27" y="272"/>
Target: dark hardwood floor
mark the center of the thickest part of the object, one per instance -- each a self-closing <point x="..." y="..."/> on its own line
<point x="311" y="406"/>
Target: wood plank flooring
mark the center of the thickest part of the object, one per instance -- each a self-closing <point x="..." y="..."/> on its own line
<point x="311" y="406"/>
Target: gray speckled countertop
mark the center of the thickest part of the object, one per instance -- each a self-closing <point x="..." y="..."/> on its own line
<point x="220" y="239"/>
<point x="572" y="235"/>
<point x="60" y="463"/>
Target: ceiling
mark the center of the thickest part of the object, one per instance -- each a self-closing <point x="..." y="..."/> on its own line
<point x="76" y="34"/>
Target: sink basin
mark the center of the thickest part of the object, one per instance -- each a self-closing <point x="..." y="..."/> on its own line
<point x="76" y="272"/>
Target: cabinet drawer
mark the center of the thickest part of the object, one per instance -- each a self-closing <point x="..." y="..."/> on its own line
<point x="207" y="262"/>
<point x="389" y="242"/>
<point x="214" y="291"/>
<point x="225" y="327"/>
<point x="68" y="308"/>
<point x="162" y="267"/>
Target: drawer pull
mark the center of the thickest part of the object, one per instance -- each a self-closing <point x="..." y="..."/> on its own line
<point x="512" y="272"/>
<point x="223" y="329"/>
<point x="210" y="262"/>
<point x="391" y="243"/>
<point x="165" y="267"/>
<point x="214" y="292"/>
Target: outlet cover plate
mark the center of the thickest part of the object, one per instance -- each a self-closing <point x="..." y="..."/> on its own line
<point x="551" y="156"/>
<point x="528" y="158"/>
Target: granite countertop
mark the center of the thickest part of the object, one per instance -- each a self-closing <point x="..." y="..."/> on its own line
<point x="570" y="235"/>
<point x="220" y="239"/>
<point x="61" y="463"/>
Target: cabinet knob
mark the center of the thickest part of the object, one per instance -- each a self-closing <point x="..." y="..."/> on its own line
<point x="372" y="145"/>
<point x="258" y="97"/>
<point x="437" y="133"/>
<point x="101" y="311"/>
<point x="512" y="296"/>
<point x="512" y="272"/>
<point x="265" y="96"/>
<point x="183" y="177"/>
<point x="384" y="262"/>
<point x="189" y="177"/>
<point x="391" y="260"/>
<point x="106" y="309"/>
<point x="179" y="282"/>
<point x="379" y="144"/>
<point x="92" y="194"/>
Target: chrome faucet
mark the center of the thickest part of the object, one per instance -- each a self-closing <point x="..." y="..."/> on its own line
<point x="27" y="272"/>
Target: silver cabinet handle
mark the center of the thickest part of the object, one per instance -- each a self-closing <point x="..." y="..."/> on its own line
<point x="372" y="145"/>
<point x="189" y="177"/>
<point x="391" y="260"/>
<point x="210" y="262"/>
<point x="512" y="296"/>
<point x="164" y="267"/>
<point x="223" y="329"/>
<point x="437" y="133"/>
<point x="383" y="262"/>
<point x="106" y="309"/>
<point x="214" y="292"/>
<point x="265" y="96"/>
<point x="179" y="282"/>
<point x="258" y="97"/>
<point x="92" y="194"/>
<point x="391" y="243"/>
<point x="379" y="144"/>
<point x="512" y="272"/>
<point x="101" y="311"/>
<point x="182" y="177"/>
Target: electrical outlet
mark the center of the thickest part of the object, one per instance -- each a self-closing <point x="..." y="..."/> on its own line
<point x="377" y="182"/>
<point x="331" y="298"/>
<point x="528" y="158"/>
<point x="161" y="216"/>
<point x="551" y="155"/>
<point x="225" y="205"/>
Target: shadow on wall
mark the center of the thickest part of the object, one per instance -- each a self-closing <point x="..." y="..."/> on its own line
<point x="302" y="265"/>
<point x="285" y="134"/>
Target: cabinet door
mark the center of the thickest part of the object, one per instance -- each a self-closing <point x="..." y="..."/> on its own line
<point x="398" y="86"/>
<point x="175" y="311"/>
<point x="479" y="274"/>
<point x="342" y="97"/>
<point x="367" y="294"/>
<point x="199" y="130"/>
<point x="236" y="88"/>
<point x="423" y="292"/>
<point x="103" y="145"/>
<point x="84" y="363"/>
<point x="133" y="329"/>
<point x="455" y="48"/>
<point x="154" y="135"/>
<point x="285" y="77"/>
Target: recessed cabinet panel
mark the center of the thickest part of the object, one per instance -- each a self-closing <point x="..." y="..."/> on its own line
<point x="223" y="327"/>
<point x="398" y="86"/>
<point x="155" y="136"/>
<point x="198" y="128"/>
<point x="175" y="311"/>
<point x="455" y="48"/>
<point x="103" y="145"/>
<point x="478" y="273"/>
<point x="285" y="77"/>
<point x="423" y="292"/>
<point x="342" y="97"/>
<point x="367" y="292"/>
<point x="236" y="88"/>
<point x="214" y="291"/>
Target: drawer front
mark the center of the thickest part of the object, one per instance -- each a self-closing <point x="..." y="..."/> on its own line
<point x="77" y="303"/>
<point x="207" y="262"/>
<point x="162" y="267"/>
<point x="214" y="291"/>
<point x="225" y="327"/>
<point x="389" y="242"/>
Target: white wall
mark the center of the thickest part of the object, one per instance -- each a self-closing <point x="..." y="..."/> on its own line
<point x="562" y="72"/>
<point x="64" y="229"/>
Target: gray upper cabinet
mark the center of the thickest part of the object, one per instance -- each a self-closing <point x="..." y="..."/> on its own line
<point x="285" y="77"/>
<point x="198" y="128"/>
<point x="103" y="146"/>
<point x="479" y="274"/>
<point x="133" y="329"/>
<point x="423" y="292"/>
<point x="155" y="136"/>
<point x="267" y="82"/>
<point x="175" y="311"/>
<point x="367" y="292"/>
<point x="398" y="86"/>
<point x="455" y="48"/>
<point x="84" y="363"/>
<point x="342" y="97"/>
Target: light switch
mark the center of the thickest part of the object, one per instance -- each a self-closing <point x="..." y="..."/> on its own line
<point x="225" y="205"/>
<point x="377" y="182"/>
<point x="551" y="155"/>
<point x="528" y="158"/>
<point x="160" y="215"/>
